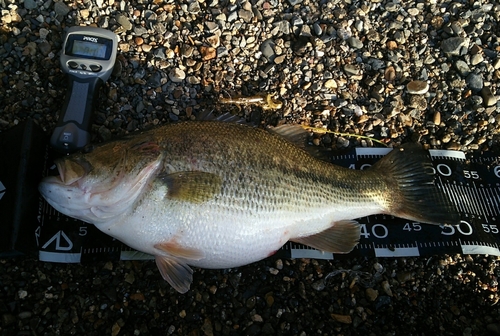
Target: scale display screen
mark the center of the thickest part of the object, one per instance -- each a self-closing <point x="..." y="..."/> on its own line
<point x="88" y="49"/>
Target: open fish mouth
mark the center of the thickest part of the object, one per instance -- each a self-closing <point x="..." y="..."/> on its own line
<point x="86" y="194"/>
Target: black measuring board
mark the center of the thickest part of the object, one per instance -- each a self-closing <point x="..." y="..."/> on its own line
<point x="472" y="184"/>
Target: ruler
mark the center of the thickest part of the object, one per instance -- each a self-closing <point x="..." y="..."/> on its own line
<point x="471" y="183"/>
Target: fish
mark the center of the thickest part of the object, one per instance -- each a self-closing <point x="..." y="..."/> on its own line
<point x="213" y="194"/>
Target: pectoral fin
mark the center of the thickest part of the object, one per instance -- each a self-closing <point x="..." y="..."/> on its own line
<point x="178" y="274"/>
<point x="192" y="186"/>
<point x="342" y="237"/>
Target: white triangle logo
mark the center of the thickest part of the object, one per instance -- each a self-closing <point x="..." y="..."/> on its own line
<point x="63" y="243"/>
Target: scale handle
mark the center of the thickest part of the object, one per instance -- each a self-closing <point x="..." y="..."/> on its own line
<point x="72" y="130"/>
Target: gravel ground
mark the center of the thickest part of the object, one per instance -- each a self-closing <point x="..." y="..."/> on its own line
<point x="394" y="71"/>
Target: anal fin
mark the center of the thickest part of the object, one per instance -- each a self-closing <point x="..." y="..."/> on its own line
<point x="341" y="237"/>
<point x="178" y="274"/>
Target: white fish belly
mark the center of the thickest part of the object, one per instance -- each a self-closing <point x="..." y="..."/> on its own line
<point x="226" y="236"/>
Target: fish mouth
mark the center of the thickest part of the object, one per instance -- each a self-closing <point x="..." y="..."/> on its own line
<point x="95" y="197"/>
<point x="71" y="171"/>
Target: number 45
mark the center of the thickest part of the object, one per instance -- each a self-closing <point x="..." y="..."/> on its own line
<point x="412" y="226"/>
<point x="490" y="228"/>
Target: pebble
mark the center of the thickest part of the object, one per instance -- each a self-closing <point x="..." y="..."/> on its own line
<point x="454" y="46"/>
<point x="437" y="118"/>
<point x="475" y="82"/>
<point x="351" y="69"/>
<point x="489" y="98"/>
<point x="177" y="75"/>
<point x="463" y="68"/>
<point x="371" y="294"/>
<point x="355" y="42"/>
<point x="417" y="87"/>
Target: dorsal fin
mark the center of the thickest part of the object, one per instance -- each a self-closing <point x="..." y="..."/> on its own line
<point x="209" y="115"/>
<point x="299" y="136"/>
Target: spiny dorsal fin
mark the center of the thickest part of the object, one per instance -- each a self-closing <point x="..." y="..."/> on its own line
<point x="209" y="115"/>
<point x="298" y="135"/>
<point x="192" y="186"/>
<point x="342" y="237"/>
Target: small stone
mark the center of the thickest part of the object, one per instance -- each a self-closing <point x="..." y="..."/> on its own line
<point x="279" y="59"/>
<point x="30" y="4"/>
<point x="437" y="118"/>
<point x="267" y="48"/>
<point x="177" y="75"/>
<point x="496" y="64"/>
<point x="355" y="42"/>
<point x="214" y="40"/>
<point x="453" y="146"/>
<point x="122" y="20"/>
<point x="346" y="319"/>
<point x="138" y="40"/>
<point x="212" y="27"/>
<point x="476" y="59"/>
<point x="130" y="278"/>
<point x="351" y="69"/>
<point x="390" y="74"/>
<point x="445" y="139"/>
<point x="269" y="299"/>
<point x="418" y="102"/>
<point x="453" y="46"/>
<point x="22" y="294"/>
<point x="392" y="45"/>
<point x="417" y="87"/>
<point x="245" y="15"/>
<point x="137" y="297"/>
<point x="475" y="82"/>
<point x="207" y="327"/>
<point x="60" y="8"/>
<point x="320" y="284"/>
<point x="387" y="288"/>
<point x="194" y="7"/>
<point x="279" y="264"/>
<point x="371" y="294"/>
<point x="84" y="13"/>
<point x="462" y="68"/>
<point x="208" y="53"/>
<point x="45" y="48"/>
<point x="330" y="84"/>
<point x="489" y="99"/>
<point x="363" y="118"/>
<point x="404" y="276"/>
<point x="146" y="47"/>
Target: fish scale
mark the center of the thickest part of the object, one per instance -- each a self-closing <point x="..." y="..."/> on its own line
<point x="219" y="195"/>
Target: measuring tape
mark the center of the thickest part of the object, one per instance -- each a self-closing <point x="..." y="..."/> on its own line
<point x="472" y="184"/>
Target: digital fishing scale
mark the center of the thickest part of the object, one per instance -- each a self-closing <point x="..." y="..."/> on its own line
<point x="88" y="56"/>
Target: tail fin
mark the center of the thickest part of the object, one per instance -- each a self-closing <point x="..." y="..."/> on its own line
<point x="413" y="194"/>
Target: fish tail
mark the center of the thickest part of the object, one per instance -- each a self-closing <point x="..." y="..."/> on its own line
<point x="412" y="193"/>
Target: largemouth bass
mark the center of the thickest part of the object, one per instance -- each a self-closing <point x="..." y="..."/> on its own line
<point x="214" y="194"/>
